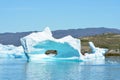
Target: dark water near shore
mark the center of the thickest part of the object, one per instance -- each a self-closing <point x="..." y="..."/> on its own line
<point x="16" y="69"/>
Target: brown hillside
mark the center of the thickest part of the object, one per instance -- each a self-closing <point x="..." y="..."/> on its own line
<point x="106" y="40"/>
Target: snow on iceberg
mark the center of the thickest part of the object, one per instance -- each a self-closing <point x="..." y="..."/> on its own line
<point x="36" y="44"/>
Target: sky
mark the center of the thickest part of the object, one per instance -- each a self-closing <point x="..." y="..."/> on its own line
<point x="35" y="15"/>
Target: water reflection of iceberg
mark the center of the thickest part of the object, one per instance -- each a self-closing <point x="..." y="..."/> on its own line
<point x="43" y="46"/>
<point x="11" y="69"/>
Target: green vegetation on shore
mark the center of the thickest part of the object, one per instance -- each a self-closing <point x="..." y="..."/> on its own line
<point x="110" y="41"/>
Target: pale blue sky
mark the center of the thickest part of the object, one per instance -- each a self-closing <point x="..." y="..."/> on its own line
<point x="31" y="15"/>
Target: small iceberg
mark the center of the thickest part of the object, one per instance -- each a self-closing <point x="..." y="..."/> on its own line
<point x="96" y="52"/>
<point x="11" y="51"/>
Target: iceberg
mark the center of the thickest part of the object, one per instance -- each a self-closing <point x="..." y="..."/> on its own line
<point x="96" y="52"/>
<point x="36" y="44"/>
<point x="43" y="46"/>
<point x="11" y="51"/>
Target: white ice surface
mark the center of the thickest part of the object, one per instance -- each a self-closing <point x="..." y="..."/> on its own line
<point x="10" y="51"/>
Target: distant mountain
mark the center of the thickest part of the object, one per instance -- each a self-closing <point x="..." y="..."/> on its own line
<point x="14" y="38"/>
<point x="84" y="32"/>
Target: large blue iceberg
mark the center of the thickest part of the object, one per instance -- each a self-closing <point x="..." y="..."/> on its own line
<point x="43" y="46"/>
<point x="36" y="44"/>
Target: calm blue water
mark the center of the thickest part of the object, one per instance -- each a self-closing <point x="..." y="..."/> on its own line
<point x="92" y="70"/>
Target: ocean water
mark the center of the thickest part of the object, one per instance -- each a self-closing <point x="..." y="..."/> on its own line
<point x="17" y="69"/>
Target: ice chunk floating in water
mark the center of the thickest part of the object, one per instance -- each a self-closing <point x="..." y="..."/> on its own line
<point x="10" y="51"/>
<point x="36" y="44"/>
<point x="96" y="52"/>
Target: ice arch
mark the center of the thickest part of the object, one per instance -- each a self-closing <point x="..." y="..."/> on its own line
<point x="37" y="43"/>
